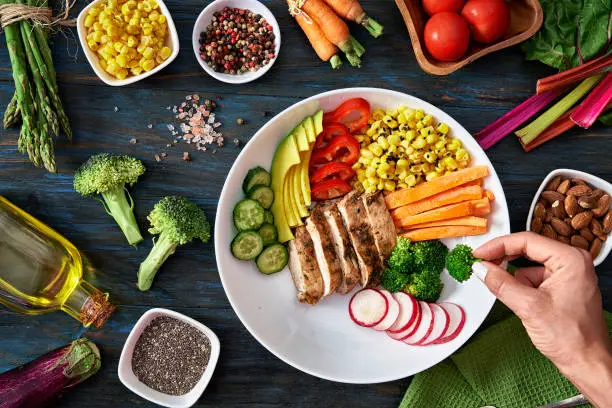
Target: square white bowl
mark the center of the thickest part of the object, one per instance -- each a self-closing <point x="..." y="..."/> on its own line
<point x="172" y="41"/>
<point x="129" y="379"/>
<point x="588" y="178"/>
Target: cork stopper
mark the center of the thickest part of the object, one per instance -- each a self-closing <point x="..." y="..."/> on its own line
<point x="96" y="310"/>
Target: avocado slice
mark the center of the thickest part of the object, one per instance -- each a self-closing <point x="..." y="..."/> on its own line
<point x="318" y="122"/>
<point x="308" y="124"/>
<point x="286" y="156"/>
<point x="301" y="138"/>
<point x="296" y="190"/>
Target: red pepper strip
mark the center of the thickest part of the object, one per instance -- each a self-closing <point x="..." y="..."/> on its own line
<point x="558" y="127"/>
<point x="328" y="189"/>
<point x="343" y="148"/>
<point x="331" y="170"/>
<point x="330" y="131"/>
<point x="346" y="112"/>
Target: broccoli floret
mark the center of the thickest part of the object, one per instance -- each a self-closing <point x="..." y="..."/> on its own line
<point x="394" y="279"/>
<point x="459" y="262"/>
<point x="402" y="258"/>
<point x="107" y="175"/>
<point x="425" y="286"/>
<point x="429" y="256"/>
<point x="177" y="221"/>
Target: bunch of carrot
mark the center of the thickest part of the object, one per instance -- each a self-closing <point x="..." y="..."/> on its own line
<point x="322" y="22"/>
<point x="452" y="205"/>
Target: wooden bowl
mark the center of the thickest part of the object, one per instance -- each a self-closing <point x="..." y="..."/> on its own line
<point x="526" y="18"/>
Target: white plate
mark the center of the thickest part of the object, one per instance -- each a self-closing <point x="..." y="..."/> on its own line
<point x="322" y="340"/>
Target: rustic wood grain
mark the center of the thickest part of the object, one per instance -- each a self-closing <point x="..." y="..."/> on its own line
<point x="247" y="374"/>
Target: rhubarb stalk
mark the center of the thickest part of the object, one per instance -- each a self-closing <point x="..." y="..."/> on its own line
<point x="594" y="104"/>
<point x="571" y="76"/>
<point x="533" y="130"/>
<point x="559" y="126"/>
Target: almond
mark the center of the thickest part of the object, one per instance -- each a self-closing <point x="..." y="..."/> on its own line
<point x="579" y="190"/>
<point x="578" y="181"/>
<point x="571" y="205"/>
<point x="552" y="196"/>
<point x="588" y="201"/>
<point x="563" y="239"/>
<point x="603" y="205"/>
<point x="548" y="217"/>
<point x="587" y="234"/>
<point x="607" y="223"/>
<point x="598" y="193"/>
<point x="595" y="248"/>
<point x="548" y="232"/>
<point x="603" y="237"/>
<point x="561" y="227"/>
<point x="596" y="227"/>
<point x="540" y="210"/>
<point x="558" y="209"/>
<point x="536" y="225"/>
<point x="553" y="184"/>
<point x="564" y="186"/>
<point x="581" y="220"/>
<point x="579" y="242"/>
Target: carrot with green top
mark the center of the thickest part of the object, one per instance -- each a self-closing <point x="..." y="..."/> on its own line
<point x="322" y="46"/>
<point x="351" y="10"/>
<point x="335" y="29"/>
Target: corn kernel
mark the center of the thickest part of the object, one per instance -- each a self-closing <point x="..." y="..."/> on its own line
<point x="148" y="65"/>
<point x="93" y="45"/>
<point x="161" y="19"/>
<point x="89" y="21"/>
<point x="431" y="175"/>
<point x="136" y="70"/>
<point x="418" y="143"/>
<point x="121" y="73"/>
<point x="165" y="52"/>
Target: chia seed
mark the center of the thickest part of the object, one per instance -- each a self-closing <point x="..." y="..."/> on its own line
<point x="170" y="356"/>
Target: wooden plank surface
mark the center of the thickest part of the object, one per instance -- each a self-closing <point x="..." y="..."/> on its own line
<point x="247" y="374"/>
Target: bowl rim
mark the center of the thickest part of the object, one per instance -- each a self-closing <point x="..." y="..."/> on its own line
<point x="595" y="181"/>
<point x="144" y="391"/>
<point x="93" y="59"/>
<point x="243" y="78"/>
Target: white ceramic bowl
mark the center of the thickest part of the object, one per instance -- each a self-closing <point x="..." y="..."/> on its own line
<point x="322" y="340"/>
<point x="204" y="20"/>
<point x="172" y="41"/>
<point x="127" y="377"/>
<point x="590" y="179"/>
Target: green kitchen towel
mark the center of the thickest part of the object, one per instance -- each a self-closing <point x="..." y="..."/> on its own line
<point x="499" y="367"/>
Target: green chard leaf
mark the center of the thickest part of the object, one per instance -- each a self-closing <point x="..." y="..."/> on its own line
<point x="606" y="118"/>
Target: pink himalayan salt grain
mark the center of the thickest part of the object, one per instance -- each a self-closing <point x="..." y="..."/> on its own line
<point x="197" y="123"/>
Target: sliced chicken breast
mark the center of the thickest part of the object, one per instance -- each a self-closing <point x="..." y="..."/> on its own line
<point x="344" y="249"/>
<point x="357" y="223"/>
<point x="304" y="268"/>
<point x="317" y="227"/>
<point x="382" y="224"/>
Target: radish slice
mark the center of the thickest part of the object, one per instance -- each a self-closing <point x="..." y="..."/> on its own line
<point x="457" y="321"/>
<point x="409" y="310"/>
<point x="425" y="326"/>
<point x="392" y="313"/>
<point x="441" y="322"/>
<point x="410" y="329"/>
<point x="368" y="307"/>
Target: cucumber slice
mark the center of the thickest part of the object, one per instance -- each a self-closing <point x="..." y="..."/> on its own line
<point x="268" y="217"/>
<point x="248" y="215"/>
<point x="262" y="194"/>
<point x="255" y="176"/>
<point x="247" y="245"/>
<point x="273" y="259"/>
<point x="269" y="234"/>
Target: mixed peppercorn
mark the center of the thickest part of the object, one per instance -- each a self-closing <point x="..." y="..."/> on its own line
<point x="237" y="41"/>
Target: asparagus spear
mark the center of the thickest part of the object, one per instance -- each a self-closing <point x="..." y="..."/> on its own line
<point x="12" y="114"/>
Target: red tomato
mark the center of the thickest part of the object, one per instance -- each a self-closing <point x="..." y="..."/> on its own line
<point x="354" y="113"/>
<point x="488" y="19"/>
<point x="331" y="170"/>
<point x="344" y="148"/>
<point x="437" y="6"/>
<point x="330" y="131"/>
<point x="328" y="189"/>
<point x="447" y="36"/>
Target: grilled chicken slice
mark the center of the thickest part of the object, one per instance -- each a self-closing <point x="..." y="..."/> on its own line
<point x="304" y="268"/>
<point x="382" y="224"/>
<point x="317" y="227"/>
<point x="358" y="225"/>
<point x="344" y="249"/>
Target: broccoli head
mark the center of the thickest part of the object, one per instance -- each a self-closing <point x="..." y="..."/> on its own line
<point x="459" y="262"/>
<point x="402" y="258"/>
<point x="107" y="175"/>
<point x="429" y="256"/>
<point x="177" y="221"/>
<point x="394" y="279"/>
<point x="425" y="286"/>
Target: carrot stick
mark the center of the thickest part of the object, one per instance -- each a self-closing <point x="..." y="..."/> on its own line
<point x="435" y="186"/>
<point x="489" y="194"/>
<point x="469" y="221"/>
<point x="334" y="28"/>
<point x="322" y="46"/>
<point x="452" y="196"/>
<point x="481" y="207"/>
<point x="427" y="234"/>
<point x="351" y="10"/>
<point x="463" y="209"/>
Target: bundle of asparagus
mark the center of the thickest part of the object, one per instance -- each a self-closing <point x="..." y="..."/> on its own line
<point x="36" y="101"/>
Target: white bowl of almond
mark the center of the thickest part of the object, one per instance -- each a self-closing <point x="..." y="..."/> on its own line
<point x="574" y="207"/>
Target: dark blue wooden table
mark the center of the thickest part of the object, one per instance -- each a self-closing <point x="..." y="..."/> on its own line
<point x="247" y="374"/>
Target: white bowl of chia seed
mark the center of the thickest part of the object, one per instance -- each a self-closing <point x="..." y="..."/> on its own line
<point x="168" y="358"/>
<point x="239" y="49"/>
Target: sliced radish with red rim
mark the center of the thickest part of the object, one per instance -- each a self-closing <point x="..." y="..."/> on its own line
<point x="393" y="312"/>
<point x="368" y="307"/>
<point x="441" y="322"/>
<point x="456" y="323"/>
<point x="409" y="311"/>
<point x="425" y="325"/>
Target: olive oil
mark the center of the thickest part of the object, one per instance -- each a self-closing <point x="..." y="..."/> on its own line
<point x="41" y="271"/>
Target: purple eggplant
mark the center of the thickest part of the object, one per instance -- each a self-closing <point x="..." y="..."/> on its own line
<point x="41" y="381"/>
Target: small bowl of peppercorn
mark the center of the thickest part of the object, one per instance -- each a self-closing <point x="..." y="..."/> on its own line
<point x="168" y="358"/>
<point x="236" y="41"/>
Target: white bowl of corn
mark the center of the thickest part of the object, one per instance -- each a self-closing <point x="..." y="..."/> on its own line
<point x="127" y="40"/>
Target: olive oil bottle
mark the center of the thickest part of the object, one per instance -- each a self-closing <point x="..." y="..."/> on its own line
<point x="41" y="271"/>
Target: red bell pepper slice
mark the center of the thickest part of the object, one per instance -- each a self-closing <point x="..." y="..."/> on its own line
<point x="344" y="148"/>
<point x="328" y="189"/>
<point x="330" y="131"/>
<point x="331" y="170"/>
<point x="354" y="113"/>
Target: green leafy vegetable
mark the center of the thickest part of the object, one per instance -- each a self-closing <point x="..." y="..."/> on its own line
<point x="459" y="262"/>
<point x="606" y="118"/>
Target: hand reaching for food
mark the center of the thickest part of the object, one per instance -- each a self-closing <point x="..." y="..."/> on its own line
<point x="559" y="304"/>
